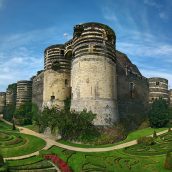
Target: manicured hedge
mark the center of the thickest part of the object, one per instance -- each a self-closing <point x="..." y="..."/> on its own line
<point x="63" y="166"/>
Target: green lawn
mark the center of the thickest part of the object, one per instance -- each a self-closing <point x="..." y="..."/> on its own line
<point x="17" y="144"/>
<point x="113" y="161"/>
<point x="131" y="136"/>
<point x="4" y="126"/>
<point x="31" y="163"/>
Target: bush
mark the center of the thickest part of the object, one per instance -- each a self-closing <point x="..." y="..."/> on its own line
<point x="168" y="161"/>
<point x="73" y="126"/>
<point x="147" y="141"/>
<point x="59" y="162"/>
<point x="159" y="113"/>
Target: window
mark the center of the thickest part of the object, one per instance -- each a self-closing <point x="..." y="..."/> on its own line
<point x="131" y="89"/>
<point x="66" y="82"/>
<point x="52" y="98"/>
<point x="62" y="52"/>
<point x="157" y="83"/>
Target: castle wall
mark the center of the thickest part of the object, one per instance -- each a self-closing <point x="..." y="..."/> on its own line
<point x="11" y="94"/>
<point x="170" y="98"/>
<point x="2" y="102"/>
<point x="24" y="92"/>
<point x="158" y="87"/>
<point x="133" y="92"/>
<point x="93" y="74"/>
<point x="56" y="76"/>
<point x="37" y="89"/>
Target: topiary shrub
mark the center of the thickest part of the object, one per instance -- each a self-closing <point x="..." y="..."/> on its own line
<point x="147" y="141"/>
<point x="168" y="161"/>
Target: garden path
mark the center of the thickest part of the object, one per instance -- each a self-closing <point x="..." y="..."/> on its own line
<point x="50" y="143"/>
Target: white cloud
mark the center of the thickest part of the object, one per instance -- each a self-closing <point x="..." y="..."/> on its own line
<point x="1" y="3"/>
<point x="152" y="3"/>
<point x="163" y="15"/>
<point x="67" y="36"/>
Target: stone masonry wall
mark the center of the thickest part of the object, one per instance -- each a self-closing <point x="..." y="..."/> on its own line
<point x="132" y="91"/>
<point x="94" y="87"/>
<point x="56" y="88"/>
<point x="37" y="89"/>
<point x="2" y="101"/>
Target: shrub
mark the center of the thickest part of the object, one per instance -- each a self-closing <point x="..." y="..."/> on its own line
<point x="145" y="141"/>
<point x="59" y="162"/>
<point x="159" y="113"/>
<point x="75" y="126"/>
<point x="168" y="161"/>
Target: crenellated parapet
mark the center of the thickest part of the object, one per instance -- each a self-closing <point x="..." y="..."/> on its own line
<point x="94" y="39"/>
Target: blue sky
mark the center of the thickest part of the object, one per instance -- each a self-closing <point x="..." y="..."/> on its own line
<point x="27" y="27"/>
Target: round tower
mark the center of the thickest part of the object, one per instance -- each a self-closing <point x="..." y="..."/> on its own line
<point x="170" y="97"/>
<point x="56" y="76"/>
<point x="93" y="74"/>
<point x="158" y="88"/>
<point x="24" y="92"/>
<point x="11" y="94"/>
<point x="2" y="101"/>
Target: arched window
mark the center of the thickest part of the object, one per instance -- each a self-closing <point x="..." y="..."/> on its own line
<point x="131" y="89"/>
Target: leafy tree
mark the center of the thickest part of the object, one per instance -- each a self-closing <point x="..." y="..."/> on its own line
<point x="24" y="114"/>
<point x="159" y="113"/>
<point x="71" y="125"/>
<point x="9" y="112"/>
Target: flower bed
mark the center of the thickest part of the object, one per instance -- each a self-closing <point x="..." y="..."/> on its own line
<point x="59" y="162"/>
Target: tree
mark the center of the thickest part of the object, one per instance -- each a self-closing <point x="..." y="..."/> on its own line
<point x="9" y="112"/>
<point x="71" y="125"/>
<point x="24" y="113"/>
<point x="168" y="161"/>
<point x="159" y="114"/>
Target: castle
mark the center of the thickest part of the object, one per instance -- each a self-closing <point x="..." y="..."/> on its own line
<point x="97" y="77"/>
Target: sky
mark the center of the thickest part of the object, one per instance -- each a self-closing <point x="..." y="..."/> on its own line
<point x="27" y="27"/>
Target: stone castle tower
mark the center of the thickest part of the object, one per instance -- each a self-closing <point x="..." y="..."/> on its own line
<point x="24" y="92"/>
<point x="56" y="76"/>
<point x="2" y="101"/>
<point x="11" y="94"/>
<point x="93" y="73"/>
<point x="158" y="87"/>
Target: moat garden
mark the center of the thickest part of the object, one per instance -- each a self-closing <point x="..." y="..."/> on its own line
<point x="142" y="157"/>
